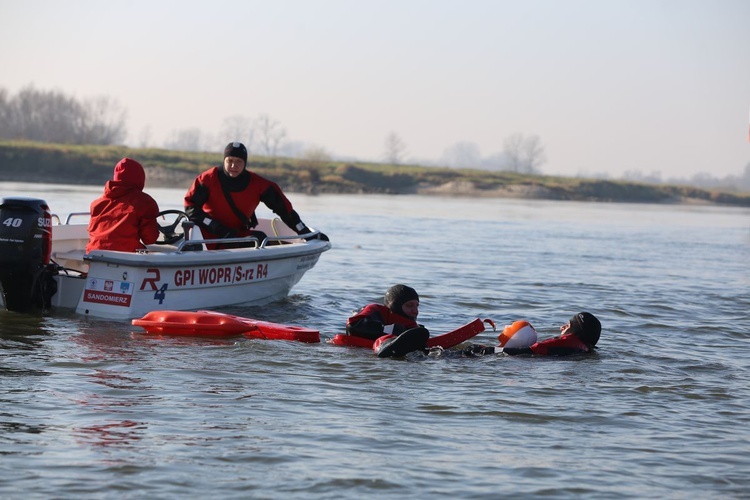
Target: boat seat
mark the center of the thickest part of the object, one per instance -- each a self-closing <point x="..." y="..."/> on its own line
<point x="69" y="255"/>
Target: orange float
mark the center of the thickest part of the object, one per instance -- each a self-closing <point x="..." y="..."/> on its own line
<point x="518" y="334"/>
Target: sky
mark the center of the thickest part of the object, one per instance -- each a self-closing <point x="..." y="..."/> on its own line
<point x="608" y="86"/>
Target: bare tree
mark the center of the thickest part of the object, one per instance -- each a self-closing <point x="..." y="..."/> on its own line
<point x="189" y="139"/>
<point x="316" y="155"/>
<point x="144" y="138"/>
<point x="103" y="122"/>
<point x="52" y="116"/>
<point x="534" y="153"/>
<point x="395" y="149"/>
<point x="270" y="134"/>
<point x="238" y="128"/>
<point x="524" y="154"/>
<point x="46" y="116"/>
<point x="5" y="125"/>
<point x="292" y="149"/>
<point x="512" y="148"/>
<point x="496" y="161"/>
<point x="462" y="155"/>
<point x="638" y="176"/>
<point x="745" y="178"/>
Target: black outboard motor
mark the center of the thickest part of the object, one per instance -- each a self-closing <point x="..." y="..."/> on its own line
<point x="26" y="276"/>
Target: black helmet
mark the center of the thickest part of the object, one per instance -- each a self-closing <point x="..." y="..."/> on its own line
<point x="397" y="296"/>
<point x="237" y="150"/>
<point x="586" y="327"/>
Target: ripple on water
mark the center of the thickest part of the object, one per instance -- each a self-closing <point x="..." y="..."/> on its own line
<point x="93" y="408"/>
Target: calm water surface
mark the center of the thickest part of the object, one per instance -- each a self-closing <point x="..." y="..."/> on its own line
<point x="95" y="409"/>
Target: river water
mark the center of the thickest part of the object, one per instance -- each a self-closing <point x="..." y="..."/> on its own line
<point x="96" y="409"/>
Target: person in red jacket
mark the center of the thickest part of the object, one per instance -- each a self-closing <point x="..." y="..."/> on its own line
<point x="222" y="200"/>
<point x="398" y="314"/>
<point x="124" y="218"/>
<point x="578" y="336"/>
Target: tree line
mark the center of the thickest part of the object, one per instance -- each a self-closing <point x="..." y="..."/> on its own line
<point x="263" y="136"/>
<point x="51" y="116"/>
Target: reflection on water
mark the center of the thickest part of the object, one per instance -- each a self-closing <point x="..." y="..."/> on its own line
<point x="659" y="411"/>
<point x="120" y="433"/>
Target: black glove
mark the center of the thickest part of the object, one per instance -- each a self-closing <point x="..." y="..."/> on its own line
<point x="306" y="230"/>
<point x="319" y="236"/>
<point x="221" y="230"/>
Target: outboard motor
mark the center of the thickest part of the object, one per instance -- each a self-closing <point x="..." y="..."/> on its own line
<point x="26" y="276"/>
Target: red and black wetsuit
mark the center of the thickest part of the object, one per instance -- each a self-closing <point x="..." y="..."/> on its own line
<point x="369" y="322"/>
<point x="206" y="203"/>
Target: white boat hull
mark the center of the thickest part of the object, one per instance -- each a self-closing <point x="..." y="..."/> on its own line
<point x="125" y="285"/>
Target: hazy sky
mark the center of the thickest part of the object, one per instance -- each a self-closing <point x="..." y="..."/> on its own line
<point x="608" y="85"/>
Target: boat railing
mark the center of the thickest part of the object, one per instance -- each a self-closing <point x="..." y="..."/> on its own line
<point x="71" y="215"/>
<point x="58" y="222"/>
<point x="256" y="242"/>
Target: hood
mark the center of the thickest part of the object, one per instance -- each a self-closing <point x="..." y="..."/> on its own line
<point x="130" y="172"/>
<point x="586" y="327"/>
<point x="398" y="295"/>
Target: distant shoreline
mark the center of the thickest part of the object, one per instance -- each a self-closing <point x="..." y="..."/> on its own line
<point x="158" y="177"/>
<point x="93" y="165"/>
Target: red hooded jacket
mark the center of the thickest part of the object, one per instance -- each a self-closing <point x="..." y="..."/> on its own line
<point x="124" y="218"/>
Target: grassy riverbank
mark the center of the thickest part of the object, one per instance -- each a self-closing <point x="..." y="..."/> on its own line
<point x="92" y="165"/>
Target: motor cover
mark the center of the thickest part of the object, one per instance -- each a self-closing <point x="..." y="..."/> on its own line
<point x="25" y="250"/>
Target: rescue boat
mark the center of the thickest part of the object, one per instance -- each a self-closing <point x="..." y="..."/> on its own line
<point x="43" y="263"/>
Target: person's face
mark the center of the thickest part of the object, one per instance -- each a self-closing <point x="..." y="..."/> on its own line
<point x="565" y="327"/>
<point x="411" y="308"/>
<point x="233" y="166"/>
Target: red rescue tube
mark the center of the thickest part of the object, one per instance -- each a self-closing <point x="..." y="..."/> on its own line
<point x="351" y="341"/>
<point x="461" y="334"/>
<point x="191" y="324"/>
<point x="275" y="331"/>
<point x="272" y="331"/>
<point x="215" y="324"/>
<point x="446" y="340"/>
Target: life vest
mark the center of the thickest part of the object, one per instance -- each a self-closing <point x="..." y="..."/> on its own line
<point x="561" y="346"/>
<point x="369" y="322"/>
<point x="521" y="338"/>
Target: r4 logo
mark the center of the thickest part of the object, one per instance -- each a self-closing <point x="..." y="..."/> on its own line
<point x="161" y="293"/>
